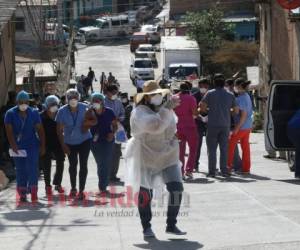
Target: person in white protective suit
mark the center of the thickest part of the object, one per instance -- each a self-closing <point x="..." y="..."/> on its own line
<point x="152" y="154"/>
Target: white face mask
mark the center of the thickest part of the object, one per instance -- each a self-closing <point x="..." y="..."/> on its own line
<point x="124" y="100"/>
<point x="156" y="100"/>
<point x="23" y="107"/>
<point x="97" y="106"/>
<point x="203" y="90"/>
<point x="236" y="90"/>
<point x="73" y="103"/>
<point x="53" y="109"/>
<point x="114" y="97"/>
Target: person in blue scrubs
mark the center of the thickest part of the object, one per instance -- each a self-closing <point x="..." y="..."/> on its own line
<point x="25" y="132"/>
<point x="73" y="129"/>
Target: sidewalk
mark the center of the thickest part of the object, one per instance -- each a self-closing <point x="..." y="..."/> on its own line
<point x="261" y="211"/>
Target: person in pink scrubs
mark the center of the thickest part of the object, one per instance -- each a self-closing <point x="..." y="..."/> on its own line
<point x="187" y="129"/>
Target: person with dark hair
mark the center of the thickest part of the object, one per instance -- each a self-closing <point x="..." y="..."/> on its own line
<point x="218" y="103"/>
<point x="201" y="120"/>
<point x="152" y="155"/>
<point x="243" y="126"/>
<point x="237" y="161"/>
<point x="102" y="82"/>
<point x="112" y="101"/>
<point x="128" y="109"/>
<point x="187" y="130"/>
<point x="92" y="77"/>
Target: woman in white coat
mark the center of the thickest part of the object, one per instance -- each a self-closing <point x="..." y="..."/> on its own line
<point x="152" y="154"/>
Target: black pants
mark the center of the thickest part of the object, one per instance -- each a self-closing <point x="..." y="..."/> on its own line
<point x="116" y="155"/>
<point x="82" y="150"/>
<point x="59" y="156"/>
<point x="175" y="190"/>
<point x="294" y="136"/>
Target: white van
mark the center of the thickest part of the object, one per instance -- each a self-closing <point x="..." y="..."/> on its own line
<point x="283" y="102"/>
<point x="106" y="27"/>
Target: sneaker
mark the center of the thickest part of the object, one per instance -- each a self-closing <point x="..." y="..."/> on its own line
<point x="49" y="191"/>
<point x="245" y="172"/>
<point x="148" y="233"/>
<point x="174" y="230"/>
<point x="81" y="196"/>
<point x="211" y="175"/>
<point x="73" y="193"/>
<point x="115" y="179"/>
<point x="225" y="175"/>
<point x="59" y="189"/>
<point x="189" y="176"/>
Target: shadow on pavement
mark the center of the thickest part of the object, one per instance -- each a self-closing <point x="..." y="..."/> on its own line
<point x="292" y="181"/>
<point x="199" y="180"/>
<point x="26" y="215"/>
<point x="174" y="244"/>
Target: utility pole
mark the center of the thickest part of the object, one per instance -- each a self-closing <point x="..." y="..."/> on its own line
<point x="32" y="80"/>
<point x="60" y="34"/>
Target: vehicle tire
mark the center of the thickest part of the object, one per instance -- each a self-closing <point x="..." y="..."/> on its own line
<point x="291" y="161"/>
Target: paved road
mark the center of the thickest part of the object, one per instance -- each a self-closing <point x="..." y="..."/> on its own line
<point x="107" y="56"/>
<point x="261" y="211"/>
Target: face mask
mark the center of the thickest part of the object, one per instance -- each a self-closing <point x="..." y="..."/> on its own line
<point x="124" y="100"/>
<point x="23" y="107"/>
<point x="114" y="97"/>
<point x="236" y="90"/>
<point x="97" y="106"/>
<point x="73" y="103"/>
<point x="156" y="100"/>
<point x="53" y="109"/>
<point x="203" y="90"/>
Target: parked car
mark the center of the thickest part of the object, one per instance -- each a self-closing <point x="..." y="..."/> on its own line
<point x="137" y="39"/>
<point x="147" y="50"/>
<point x="283" y="102"/>
<point x="153" y="31"/>
<point x="142" y="68"/>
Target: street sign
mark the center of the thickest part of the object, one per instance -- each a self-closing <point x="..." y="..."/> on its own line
<point x="289" y="4"/>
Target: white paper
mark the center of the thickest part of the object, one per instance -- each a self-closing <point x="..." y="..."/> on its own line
<point x="21" y="153"/>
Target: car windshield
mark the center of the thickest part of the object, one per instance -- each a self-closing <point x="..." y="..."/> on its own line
<point x="138" y="38"/>
<point x="146" y="49"/>
<point x="182" y="71"/>
<point x="143" y="64"/>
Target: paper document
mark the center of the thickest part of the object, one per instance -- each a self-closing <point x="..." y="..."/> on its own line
<point x="21" y="153"/>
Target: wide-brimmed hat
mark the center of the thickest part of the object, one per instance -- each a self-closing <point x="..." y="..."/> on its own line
<point x="151" y="88"/>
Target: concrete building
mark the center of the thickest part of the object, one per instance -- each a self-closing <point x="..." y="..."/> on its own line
<point x="7" y="48"/>
<point x="279" y="57"/>
<point x="180" y="7"/>
<point x="33" y="33"/>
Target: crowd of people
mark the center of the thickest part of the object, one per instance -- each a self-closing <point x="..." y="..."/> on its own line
<point x="159" y="124"/>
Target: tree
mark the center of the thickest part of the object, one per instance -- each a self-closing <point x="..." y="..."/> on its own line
<point x="234" y="57"/>
<point x="208" y="30"/>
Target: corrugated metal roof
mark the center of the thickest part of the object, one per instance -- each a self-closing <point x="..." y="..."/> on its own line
<point x="7" y="9"/>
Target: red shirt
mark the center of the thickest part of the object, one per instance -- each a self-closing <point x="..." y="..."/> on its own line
<point x="185" y="110"/>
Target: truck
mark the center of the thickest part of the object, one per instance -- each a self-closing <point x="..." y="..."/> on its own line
<point x="106" y="27"/>
<point x="180" y="57"/>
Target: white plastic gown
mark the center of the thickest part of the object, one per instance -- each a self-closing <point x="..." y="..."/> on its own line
<point x="152" y="148"/>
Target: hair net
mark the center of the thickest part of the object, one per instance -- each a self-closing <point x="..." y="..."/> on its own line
<point x="97" y="96"/>
<point x="22" y="96"/>
<point x="72" y="93"/>
<point x="51" y="100"/>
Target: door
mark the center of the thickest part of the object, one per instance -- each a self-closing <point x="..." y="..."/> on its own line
<point x="283" y="102"/>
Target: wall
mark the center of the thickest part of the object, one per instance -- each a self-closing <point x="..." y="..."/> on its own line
<point x="178" y="7"/>
<point x="29" y="38"/>
<point x="7" y="63"/>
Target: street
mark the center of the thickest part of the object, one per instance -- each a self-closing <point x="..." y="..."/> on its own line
<point x="260" y="211"/>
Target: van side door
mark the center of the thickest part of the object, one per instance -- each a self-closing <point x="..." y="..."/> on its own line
<point x="283" y="102"/>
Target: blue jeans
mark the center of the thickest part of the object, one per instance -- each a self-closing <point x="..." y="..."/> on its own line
<point x="102" y="152"/>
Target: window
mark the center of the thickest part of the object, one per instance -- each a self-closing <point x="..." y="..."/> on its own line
<point x="20" y="24"/>
<point x="115" y="22"/>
